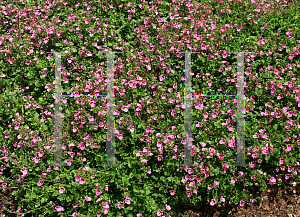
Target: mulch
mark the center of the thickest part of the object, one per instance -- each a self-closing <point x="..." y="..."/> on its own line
<point x="7" y="200"/>
<point x="274" y="201"/>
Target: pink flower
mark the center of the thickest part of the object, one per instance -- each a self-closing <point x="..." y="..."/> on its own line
<point x="124" y="108"/>
<point x="139" y="215"/>
<point x="127" y="201"/>
<point x="36" y="159"/>
<point x="282" y="160"/>
<point x="144" y="161"/>
<point x="272" y="180"/>
<point x="82" y="181"/>
<point x="75" y="129"/>
<point x="87" y="198"/>
<point x="139" y="154"/>
<point x="223" y="29"/>
<point x="264" y="150"/>
<point x="233" y="180"/>
<point x="213" y="202"/>
<point x="280" y="96"/>
<point x="59" y="209"/>
<point x="98" y="192"/>
<point x="172" y="16"/>
<point x="162" y="77"/>
<point x="230" y="128"/>
<point x="105" y="205"/>
<point x="120" y="136"/>
<point x="91" y="118"/>
<point x="205" y="114"/>
<point x="172" y="192"/>
<point x="76" y="94"/>
<point x="88" y="53"/>
<point x="81" y="146"/>
<point x="69" y="162"/>
<point x="159" y="158"/>
<point x="163" y="96"/>
<point x="222" y="199"/>
<point x="28" y="62"/>
<point x="215" y="115"/>
<point x="40" y="183"/>
<point x="242" y="203"/>
<point x="10" y="61"/>
<point x="131" y="128"/>
<point x="148" y="171"/>
<point x="24" y="171"/>
<point x="120" y="205"/>
<point x="222" y="141"/>
<point x="20" y="179"/>
<point x="61" y="190"/>
<point x="159" y="20"/>
<point x="159" y="213"/>
<point x="168" y="208"/>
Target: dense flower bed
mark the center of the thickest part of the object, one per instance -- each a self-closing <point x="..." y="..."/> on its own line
<point x="149" y="112"/>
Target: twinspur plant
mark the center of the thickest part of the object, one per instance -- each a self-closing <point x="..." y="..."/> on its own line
<point x="155" y="103"/>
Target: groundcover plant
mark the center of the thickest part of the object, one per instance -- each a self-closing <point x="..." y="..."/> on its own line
<point x="150" y="103"/>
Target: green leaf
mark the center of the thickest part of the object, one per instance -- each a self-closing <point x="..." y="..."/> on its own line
<point x="170" y="179"/>
<point x="45" y="198"/>
<point x="69" y="199"/>
<point x="61" y="197"/>
<point x="148" y="191"/>
<point x="163" y="179"/>
<point x="55" y="193"/>
<point x="30" y="205"/>
<point x="130" y="208"/>
<point x="37" y="204"/>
